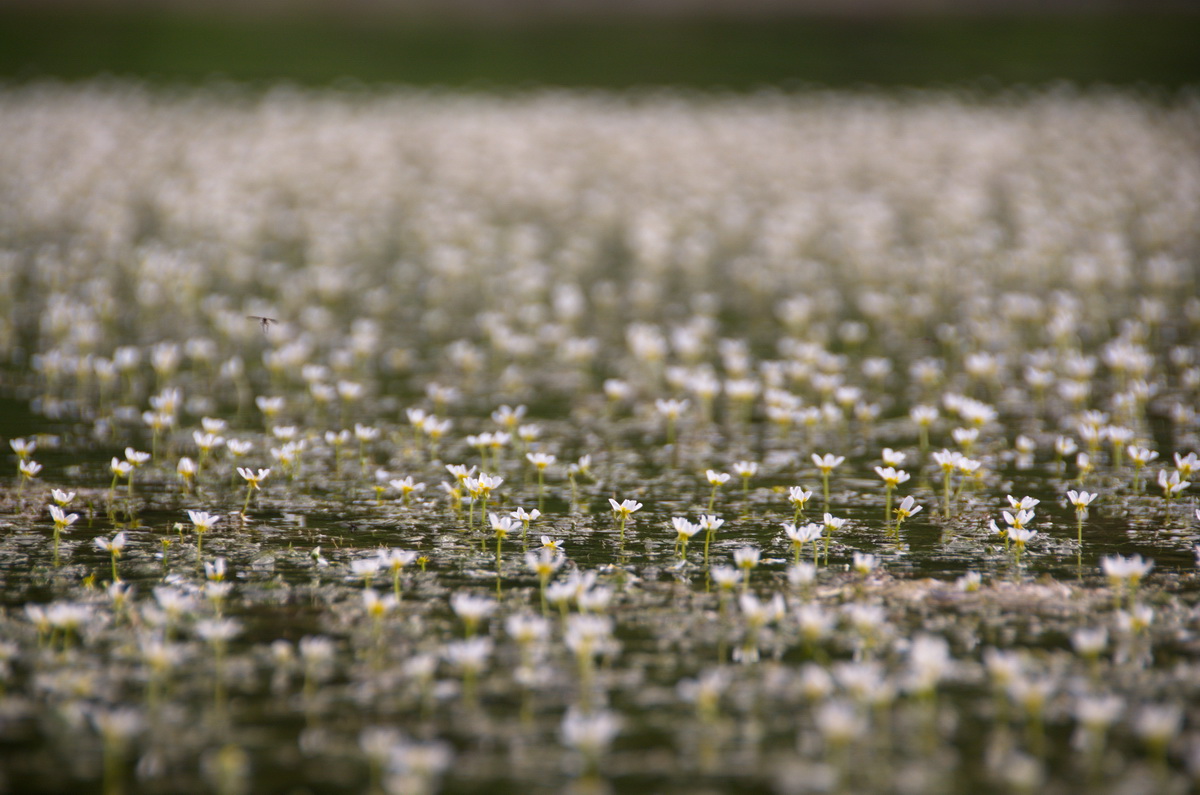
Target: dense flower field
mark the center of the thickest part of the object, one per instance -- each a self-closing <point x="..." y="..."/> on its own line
<point x="405" y="442"/>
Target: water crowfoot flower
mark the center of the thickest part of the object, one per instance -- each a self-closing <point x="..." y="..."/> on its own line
<point x="710" y="524"/>
<point x="394" y="560"/>
<point x="218" y="632"/>
<point x="24" y="448"/>
<point x="472" y="610"/>
<point x="1064" y="447"/>
<point x="1084" y="466"/>
<point x="1090" y="644"/>
<point x="544" y="563"/>
<point x="929" y="661"/>
<point x="801" y="535"/>
<point x="671" y="409"/>
<point x="746" y="559"/>
<point x="253" y="483"/>
<point x="924" y="417"/>
<point x="1095" y="715"/>
<point x="415" y="767"/>
<point x="1140" y="456"/>
<point x="407" y="487"/>
<point x="590" y="735"/>
<point x="202" y="521"/>
<point x="1157" y="725"/>
<point x="270" y="406"/>
<point x="904" y="510"/>
<point x="1125" y="574"/>
<point x="337" y="440"/>
<point x="587" y="636"/>
<point x="1020" y="536"/>
<point x="117" y="727"/>
<point x="840" y="723"/>
<point x="581" y="468"/>
<point x="206" y="442"/>
<point x="317" y="656"/>
<point x="525" y="517"/>
<point x="705" y="692"/>
<point x="757" y="614"/>
<point x="364" y="569"/>
<point x="716" y="480"/>
<point x="971" y="581"/>
<point x="864" y="563"/>
<point x="831" y="524"/>
<point x="798" y="497"/>
<point x="892" y="478"/>
<point x="1081" y="500"/>
<point x="501" y="527"/>
<point x="826" y="464"/>
<point x="948" y="460"/>
<point x="621" y="511"/>
<point x="113" y="547"/>
<point x="540" y="461"/>
<point x="484" y="485"/>
<point x="28" y="470"/>
<point x="187" y="470"/>
<point x="376" y="608"/>
<point x="62" y="520"/>
<point x="745" y="470"/>
<point x="135" y="459"/>
<point x="1016" y="521"/>
<point x="1172" y="485"/>
<point x="684" y="530"/>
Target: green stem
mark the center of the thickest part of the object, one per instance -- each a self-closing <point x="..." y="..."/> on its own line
<point x="946" y="493"/>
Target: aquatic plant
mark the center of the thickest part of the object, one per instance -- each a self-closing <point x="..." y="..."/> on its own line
<point x="433" y="284"/>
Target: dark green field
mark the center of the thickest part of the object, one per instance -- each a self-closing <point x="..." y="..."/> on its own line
<point x="1154" y="50"/>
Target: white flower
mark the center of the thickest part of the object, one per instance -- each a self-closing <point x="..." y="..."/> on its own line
<point x="1080" y="499"/>
<point x="864" y="563"/>
<point x="827" y="462"/>
<point x="684" y="529"/>
<point x="625" y="507"/>
<point x="716" y="478"/>
<point x="907" y="508"/>
<point x="62" y="520"/>
<point x="727" y="577"/>
<point x="472" y="609"/>
<point x="1021" y="535"/>
<point x="798" y="496"/>
<point x="203" y="520"/>
<point x="746" y="557"/>
<point x="540" y="460"/>
<point x="804" y="534"/>
<point x="589" y="733"/>
<point x="892" y="476"/>
<point x="745" y="469"/>
<point x="1172" y="484"/>
<point x="113" y="546"/>
<point x="1131" y="569"/>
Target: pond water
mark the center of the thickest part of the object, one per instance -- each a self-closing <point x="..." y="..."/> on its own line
<point x="953" y="289"/>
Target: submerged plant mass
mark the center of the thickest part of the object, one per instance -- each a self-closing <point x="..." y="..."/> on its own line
<point x="403" y="442"/>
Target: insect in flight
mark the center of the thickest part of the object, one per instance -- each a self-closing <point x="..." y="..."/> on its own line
<point x="265" y="321"/>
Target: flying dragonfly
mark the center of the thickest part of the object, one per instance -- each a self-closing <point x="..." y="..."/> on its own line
<point x="265" y="321"/>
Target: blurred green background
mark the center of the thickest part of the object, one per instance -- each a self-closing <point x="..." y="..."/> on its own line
<point x="717" y="44"/>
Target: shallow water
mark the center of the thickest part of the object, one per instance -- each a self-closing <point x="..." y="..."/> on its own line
<point x="860" y="257"/>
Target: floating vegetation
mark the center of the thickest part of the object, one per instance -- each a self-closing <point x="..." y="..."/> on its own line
<point x="403" y="442"/>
